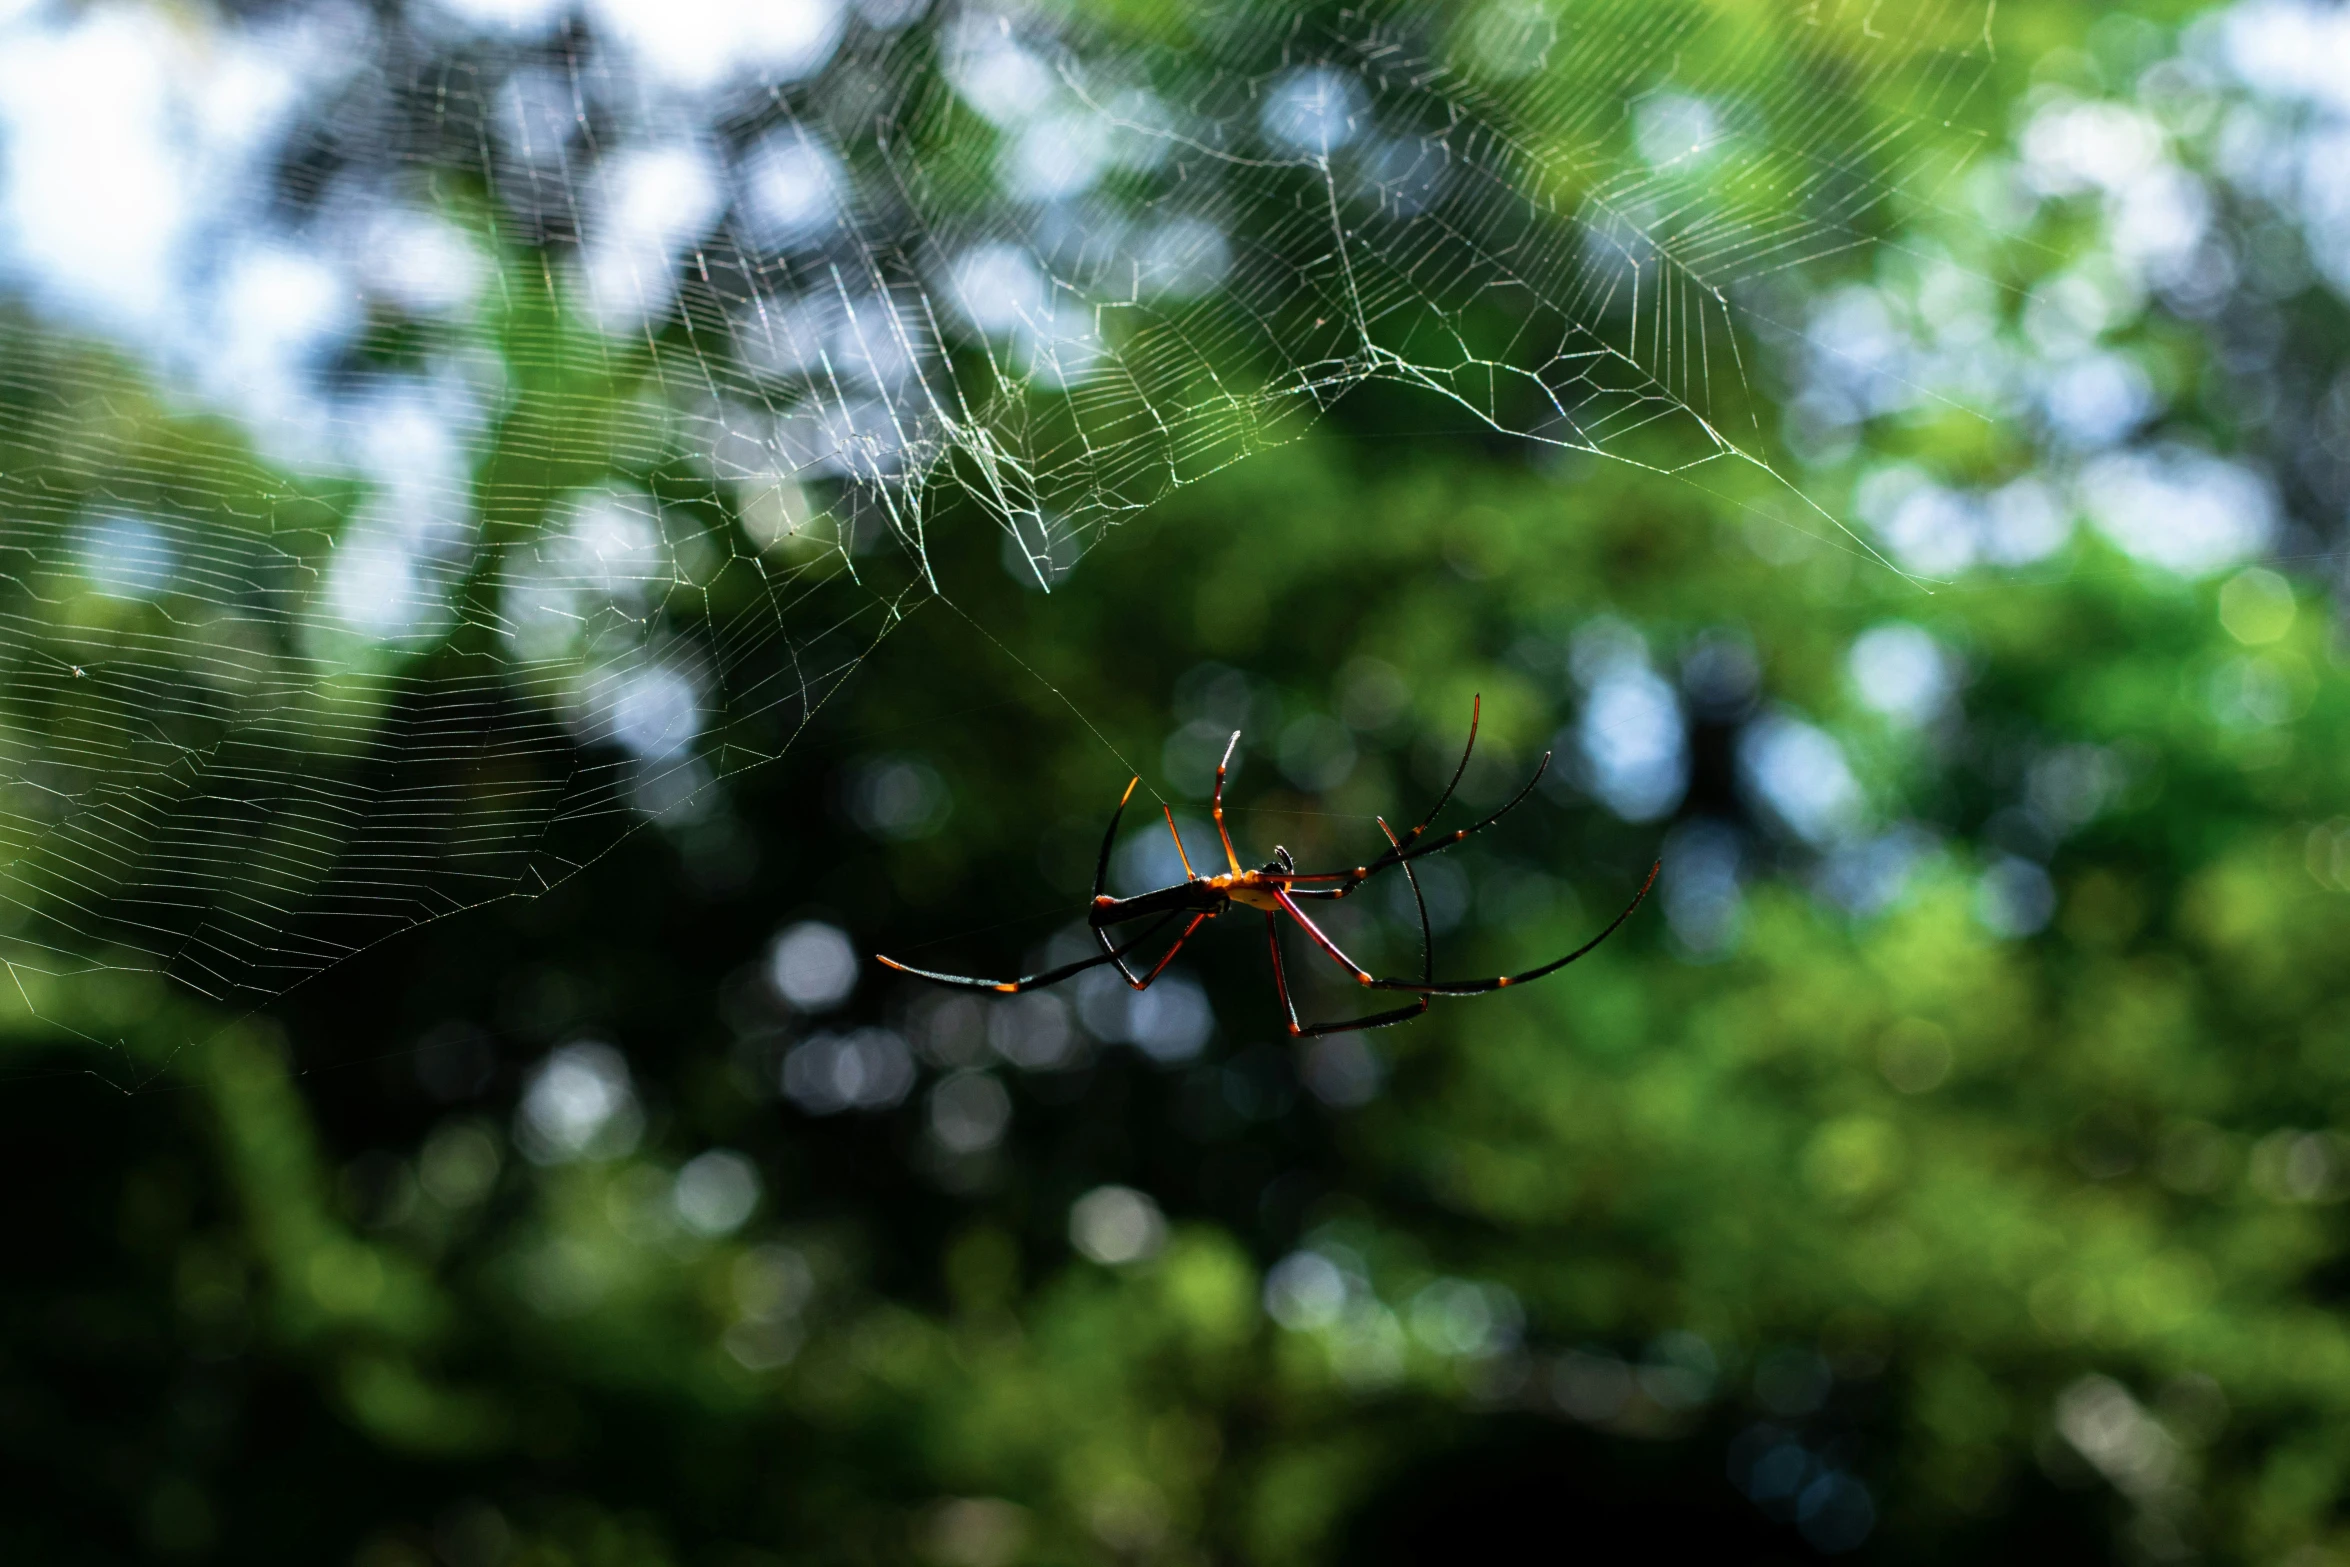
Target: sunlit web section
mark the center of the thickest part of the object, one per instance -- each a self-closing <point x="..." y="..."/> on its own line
<point x="435" y="440"/>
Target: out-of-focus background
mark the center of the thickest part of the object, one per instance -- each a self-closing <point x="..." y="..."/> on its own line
<point x="537" y="535"/>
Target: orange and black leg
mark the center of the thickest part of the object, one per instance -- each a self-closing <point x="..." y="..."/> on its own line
<point x="1352" y="1025"/>
<point x="1478" y="987"/>
<point x="1012" y="987"/>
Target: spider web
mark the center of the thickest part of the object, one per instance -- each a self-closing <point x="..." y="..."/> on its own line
<point x="435" y="441"/>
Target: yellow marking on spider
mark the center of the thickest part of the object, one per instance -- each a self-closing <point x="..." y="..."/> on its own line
<point x="1243" y="888"/>
<point x="1006" y="990"/>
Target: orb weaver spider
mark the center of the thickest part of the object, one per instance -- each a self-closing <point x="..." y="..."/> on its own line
<point x="1276" y="889"/>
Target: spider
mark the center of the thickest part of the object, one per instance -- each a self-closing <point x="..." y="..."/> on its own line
<point x="1276" y="889"/>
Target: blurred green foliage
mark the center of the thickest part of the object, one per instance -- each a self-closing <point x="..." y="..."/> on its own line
<point x="2035" y="1233"/>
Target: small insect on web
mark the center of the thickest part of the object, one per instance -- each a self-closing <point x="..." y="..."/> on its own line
<point x="1277" y="889"/>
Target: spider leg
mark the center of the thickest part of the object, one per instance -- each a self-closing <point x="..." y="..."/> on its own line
<point x="1101" y="874"/>
<point x="1377" y="1019"/>
<point x="1012" y="987"/>
<point x="1231" y="859"/>
<point x="1476" y="711"/>
<point x="1405" y="851"/>
<point x="1478" y="987"/>
<point x="1188" y="872"/>
<point x="1314" y="932"/>
<point x="1362" y="873"/>
<point x="1360" y="1025"/>
<point x="1427" y="938"/>
<point x="1280" y="979"/>
<point x="1101" y="864"/>
<point x="1197" y="920"/>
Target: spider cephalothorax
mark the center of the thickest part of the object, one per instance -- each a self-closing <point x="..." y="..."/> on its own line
<point x="1277" y="889"/>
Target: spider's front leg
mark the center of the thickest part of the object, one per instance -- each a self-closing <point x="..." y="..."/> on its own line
<point x="1408" y="849"/>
